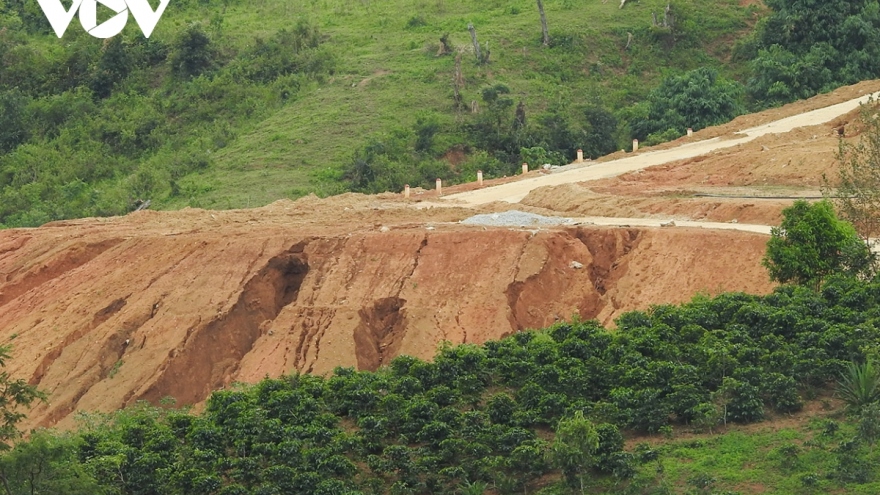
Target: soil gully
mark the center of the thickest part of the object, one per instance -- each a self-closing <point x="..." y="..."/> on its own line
<point x="608" y="248"/>
<point x="379" y="332"/>
<point x="212" y="352"/>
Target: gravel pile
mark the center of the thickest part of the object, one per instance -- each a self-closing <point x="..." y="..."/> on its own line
<point x="515" y="218"/>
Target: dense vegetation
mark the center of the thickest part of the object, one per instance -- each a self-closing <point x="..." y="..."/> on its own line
<point x="234" y="104"/>
<point x="512" y="414"/>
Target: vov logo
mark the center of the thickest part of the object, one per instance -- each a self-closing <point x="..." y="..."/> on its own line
<point x="144" y="15"/>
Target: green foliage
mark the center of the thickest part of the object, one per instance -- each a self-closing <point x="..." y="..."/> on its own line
<point x="573" y="448"/>
<point x="805" y="47"/>
<point x="856" y="189"/>
<point x="285" y="97"/>
<point x="191" y="53"/>
<point x="47" y="463"/>
<point x="811" y="244"/>
<point x="697" y="99"/>
<point x="14" y="394"/>
<point x="859" y="385"/>
<point x="511" y="412"/>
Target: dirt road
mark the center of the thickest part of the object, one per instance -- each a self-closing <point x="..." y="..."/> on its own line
<point x="514" y="192"/>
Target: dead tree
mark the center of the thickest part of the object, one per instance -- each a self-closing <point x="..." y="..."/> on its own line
<point x="629" y="39"/>
<point x="621" y="4"/>
<point x="520" y="117"/>
<point x="473" y="31"/>
<point x="544" y="32"/>
<point x="457" y="83"/>
<point x="668" y="18"/>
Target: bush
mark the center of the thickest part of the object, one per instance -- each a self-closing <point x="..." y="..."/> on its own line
<point x="697" y="99"/>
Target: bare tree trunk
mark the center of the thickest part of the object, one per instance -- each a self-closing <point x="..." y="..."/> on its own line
<point x="520" y="118"/>
<point x="544" y="32"/>
<point x="629" y="39"/>
<point x="621" y="3"/>
<point x="457" y="82"/>
<point x="473" y="31"/>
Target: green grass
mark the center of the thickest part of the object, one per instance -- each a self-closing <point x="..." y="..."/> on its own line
<point x="387" y="73"/>
<point x="788" y="458"/>
<point x="260" y="148"/>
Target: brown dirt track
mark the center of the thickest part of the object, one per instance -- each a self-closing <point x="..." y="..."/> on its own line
<point x="104" y="312"/>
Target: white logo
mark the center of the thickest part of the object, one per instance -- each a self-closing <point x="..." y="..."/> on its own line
<point x="143" y="14"/>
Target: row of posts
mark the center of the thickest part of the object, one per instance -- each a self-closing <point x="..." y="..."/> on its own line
<point x="525" y="168"/>
<point x="690" y="132"/>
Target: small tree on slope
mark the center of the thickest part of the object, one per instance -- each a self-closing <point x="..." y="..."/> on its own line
<point x="811" y="244"/>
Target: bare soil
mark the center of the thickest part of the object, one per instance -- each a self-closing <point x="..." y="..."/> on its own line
<point x="103" y="312"/>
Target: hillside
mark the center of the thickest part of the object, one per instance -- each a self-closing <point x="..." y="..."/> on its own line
<point x="180" y="303"/>
<point x="236" y="104"/>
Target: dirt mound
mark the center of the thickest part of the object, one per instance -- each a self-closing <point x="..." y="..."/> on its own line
<point x="105" y="312"/>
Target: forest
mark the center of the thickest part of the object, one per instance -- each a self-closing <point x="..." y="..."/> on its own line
<point x="231" y="104"/>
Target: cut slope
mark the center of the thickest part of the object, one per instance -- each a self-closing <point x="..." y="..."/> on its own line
<point x="186" y="302"/>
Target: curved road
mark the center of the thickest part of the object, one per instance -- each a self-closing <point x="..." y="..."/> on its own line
<point x="514" y="192"/>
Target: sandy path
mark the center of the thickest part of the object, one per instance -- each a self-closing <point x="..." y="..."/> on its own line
<point x="514" y="192"/>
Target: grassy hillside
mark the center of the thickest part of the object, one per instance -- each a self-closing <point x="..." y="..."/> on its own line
<point x="217" y="109"/>
<point x="388" y="72"/>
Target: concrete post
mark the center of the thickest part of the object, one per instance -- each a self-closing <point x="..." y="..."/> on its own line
<point x="580" y="156"/>
<point x="480" y="178"/>
<point x="406" y="191"/>
<point x="635" y="145"/>
<point x="690" y="132"/>
<point x="525" y="168"/>
<point x="439" y="187"/>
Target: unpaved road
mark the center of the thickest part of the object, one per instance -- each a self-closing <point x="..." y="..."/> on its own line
<point x="514" y="192"/>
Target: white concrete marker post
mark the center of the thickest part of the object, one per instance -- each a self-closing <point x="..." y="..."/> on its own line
<point x="480" y="178"/>
<point x="580" y="156"/>
<point x="525" y="168"/>
<point x="635" y="145"/>
<point x="439" y="187"/>
<point x="690" y="132"/>
<point x="406" y="191"/>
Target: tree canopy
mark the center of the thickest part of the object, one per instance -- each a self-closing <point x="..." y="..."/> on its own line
<point x="812" y="244"/>
<point x="808" y="46"/>
<point x="696" y="99"/>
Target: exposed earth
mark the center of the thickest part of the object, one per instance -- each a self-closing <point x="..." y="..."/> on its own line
<point x="104" y="312"/>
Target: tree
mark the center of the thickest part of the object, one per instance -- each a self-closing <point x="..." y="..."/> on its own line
<point x="574" y="447"/>
<point x="696" y="99"/>
<point x="13" y="395"/>
<point x="805" y="47"/>
<point x="811" y="244"/>
<point x="13" y="128"/>
<point x="191" y="53"/>
<point x="857" y="190"/>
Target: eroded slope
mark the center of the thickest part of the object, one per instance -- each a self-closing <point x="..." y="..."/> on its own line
<point x="102" y="313"/>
